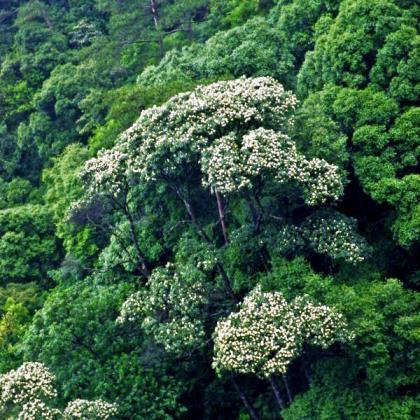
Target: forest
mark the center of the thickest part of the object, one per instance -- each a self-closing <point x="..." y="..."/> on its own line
<point x="209" y="209"/>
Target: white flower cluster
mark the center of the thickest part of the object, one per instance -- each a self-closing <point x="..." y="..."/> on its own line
<point x="267" y="333"/>
<point x="132" y="308"/>
<point x="208" y="263"/>
<point x="106" y="173"/>
<point x="90" y="410"/>
<point x="37" y="409"/>
<point x="31" y="387"/>
<point x="321" y="181"/>
<point x="289" y="238"/>
<point x="169" y="309"/>
<point x="223" y="166"/>
<point x="83" y="33"/>
<point x="29" y="382"/>
<point x="230" y="164"/>
<point x="336" y="237"/>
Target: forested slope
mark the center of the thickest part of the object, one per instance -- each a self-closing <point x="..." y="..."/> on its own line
<point x="209" y="209"/>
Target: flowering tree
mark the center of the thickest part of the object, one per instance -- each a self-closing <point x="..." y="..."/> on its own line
<point x="268" y="333"/>
<point x="83" y="33"/>
<point x="229" y="138"/>
<point x="335" y="235"/>
<point x="28" y="387"/>
<point x="226" y="146"/>
<point x="26" y="393"/>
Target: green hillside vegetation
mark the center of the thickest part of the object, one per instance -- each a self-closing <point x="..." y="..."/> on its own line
<point x="209" y="209"/>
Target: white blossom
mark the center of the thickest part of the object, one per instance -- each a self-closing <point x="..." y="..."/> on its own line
<point x="233" y="131"/>
<point x="37" y="409"/>
<point x="331" y="234"/>
<point x="168" y="308"/>
<point x="89" y="410"/>
<point x="31" y="381"/>
<point x="106" y="173"/>
<point x="268" y="332"/>
<point x="335" y="236"/>
<point x="30" y="389"/>
<point x="230" y="164"/>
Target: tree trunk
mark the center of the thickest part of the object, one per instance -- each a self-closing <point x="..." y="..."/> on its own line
<point x="251" y="410"/>
<point x="286" y="384"/>
<point x="277" y="394"/>
<point x="221" y="216"/>
<point x="226" y="281"/>
<point x="153" y="7"/>
<point x="143" y="263"/>
<point x="305" y="368"/>
<point x="191" y="213"/>
<point x="220" y="268"/>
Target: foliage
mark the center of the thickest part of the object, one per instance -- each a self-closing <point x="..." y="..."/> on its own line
<point x="28" y="247"/>
<point x="18" y="302"/>
<point x="209" y="209"/>
<point x="231" y="53"/>
<point x="97" y="344"/>
<point x="385" y="321"/>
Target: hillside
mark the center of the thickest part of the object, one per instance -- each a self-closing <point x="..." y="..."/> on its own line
<point x="209" y="209"/>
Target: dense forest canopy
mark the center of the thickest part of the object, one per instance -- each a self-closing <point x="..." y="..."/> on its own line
<point x="209" y="209"/>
